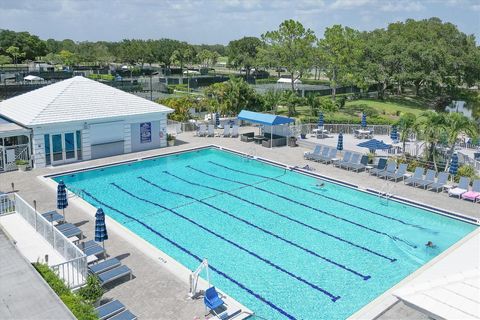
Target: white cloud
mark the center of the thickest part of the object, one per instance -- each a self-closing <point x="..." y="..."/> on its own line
<point x="405" y="6"/>
<point x="350" y="4"/>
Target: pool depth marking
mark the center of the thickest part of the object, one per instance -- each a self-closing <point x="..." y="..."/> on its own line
<point x="188" y="252"/>
<point x="312" y="285"/>
<point x="364" y="277"/>
<point x="318" y="194"/>
<point x="307" y="206"/>
<point x="286" y="217"/>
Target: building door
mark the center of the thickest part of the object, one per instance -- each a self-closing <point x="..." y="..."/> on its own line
<point x="63" y="148"/>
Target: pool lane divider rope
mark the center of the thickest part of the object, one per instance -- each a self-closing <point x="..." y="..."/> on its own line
<point x="308" y="206"/>
<point x="284" y="216"/>
<point x="193" y="255"/>
<point x="364" y="277"/>
<point x="253" y="254"/>
<point x="318" y="194"/>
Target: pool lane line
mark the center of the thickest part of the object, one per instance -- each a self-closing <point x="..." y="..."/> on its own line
<point x="191" y="254"/>
<point x="312" y="285"/>
<point x="286" y="217"/>
<point x="307" y="206"/>
<point x="341" y="266"/>
<point x="318" y="194"/>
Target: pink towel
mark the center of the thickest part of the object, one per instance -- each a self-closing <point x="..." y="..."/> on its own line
<point x="471" y="195"/>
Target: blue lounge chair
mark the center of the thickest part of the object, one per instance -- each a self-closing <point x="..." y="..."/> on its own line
<point x="316" y="151"/>
<point x="87" y="244"/>
<point x="69" y="230"/>
<point x="125" y="315"/>
<point x="114" y="274"/>
<point x="345" y="159"/>
<point x="353" y="161"/>
<point x="391" y="168"/>
<point x="52" y="216"/>
<point x="360" y="166"/>
<point x="331" y="155"/>
<point x="417" y="176"/>
<point x="211" y="299"/>
<point x="104" y="266"/>
<point x="441" y="182"/>
<point x="382" y="163"/>
<point x="318" y="157"/>
<point x="109" y="309"/>
<point x="65" y="226"/>
<point x="96" y="250"/>
<point x="399" y="174"/>
<point x="429" y="179"/>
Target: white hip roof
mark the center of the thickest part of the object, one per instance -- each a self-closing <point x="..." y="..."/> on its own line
<point x="75" y="99"/>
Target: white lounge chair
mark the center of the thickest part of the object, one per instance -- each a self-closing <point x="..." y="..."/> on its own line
<point x="211" y="130"/>
<point x="461" y="188"/>
<point x="202" y="130"/>
<point x="226" y="131"/>
<point x="316" y="150"/>
<point x="234" y="131"/>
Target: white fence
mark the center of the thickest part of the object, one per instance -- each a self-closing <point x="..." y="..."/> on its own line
<point x="74" y="270"/>
<point x="7" y="204"/>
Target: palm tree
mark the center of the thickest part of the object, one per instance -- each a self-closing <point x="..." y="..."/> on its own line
<point x="456" y="124"/>
<point x="406" y="126"/>
<point x="432" y="125"/>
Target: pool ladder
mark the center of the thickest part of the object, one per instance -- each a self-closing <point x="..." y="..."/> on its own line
<point x="386" y="192"/>
<point x="251" y="154"/>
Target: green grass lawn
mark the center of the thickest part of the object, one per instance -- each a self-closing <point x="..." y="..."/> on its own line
<point x="391" y="106"/>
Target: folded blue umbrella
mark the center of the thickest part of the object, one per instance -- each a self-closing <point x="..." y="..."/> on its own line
<point x="62" y="200"/>
<point x="340" y="142"/>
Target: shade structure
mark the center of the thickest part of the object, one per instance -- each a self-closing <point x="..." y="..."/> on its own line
<point x="320" y="120"/>
<point x="217" y="119"/>
<point x="374" y="144"/>
<point x="364" y="120"/>
<point x="263" y="118"/>
<point x="100" y="227"/>
<point x="340" y="142"/>
<point x="62" y="200"/>
<point x="453" y="165"/>
<point x="394" y="133"/>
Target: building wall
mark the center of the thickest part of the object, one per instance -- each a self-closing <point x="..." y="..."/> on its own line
<point x="137" y="144"/>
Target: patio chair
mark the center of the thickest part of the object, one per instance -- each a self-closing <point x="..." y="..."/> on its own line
<point x="461" y="188"/>
<point x="417" y="176"/>
<point x="441" y="182"/>
<point x="331" y="155"/>
<point x="399" y="174"/>
<point x="473" y="194"/>
<point x="316" y="150"/>
<point x="354" y="160"/>
<point x="318" y="157"/>
<point x="109" y="309"/>
<point x="53" y="216"/>
<point x="69" y="230"/>
<point x="382" y="163"/>
<point x="391" y="168"/>
<point x="104" y="266"/>
<point x="202" y="130"/>
<point x="234" y="131"/>
<point x="114" y="274"/>
<point x="211" y="130"/>
<point x="360" y="166"/>
<point x="226" y="131"/>
<point x="429" y="179"/>
<point x="211" y="299"/>
<point x="95" y="250"/>
<point x="124" y="315"/>
<point x="345" y="159"/>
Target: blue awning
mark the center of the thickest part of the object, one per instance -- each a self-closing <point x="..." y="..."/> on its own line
<point x="263" y="118"/>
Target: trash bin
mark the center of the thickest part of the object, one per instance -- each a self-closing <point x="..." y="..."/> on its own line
<point x="292" y="142"/>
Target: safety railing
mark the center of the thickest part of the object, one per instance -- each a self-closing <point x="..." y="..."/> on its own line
<point x="74" y="270"/>
<point x="7" y="204"/>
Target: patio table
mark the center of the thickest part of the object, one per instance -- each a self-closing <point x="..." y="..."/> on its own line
<point x="258" y="139"/>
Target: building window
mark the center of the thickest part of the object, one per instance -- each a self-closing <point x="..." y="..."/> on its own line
<point x="79" y="144"/>
<point x="47" y="148"/>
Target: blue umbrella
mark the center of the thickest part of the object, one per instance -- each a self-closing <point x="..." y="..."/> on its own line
<point x="394" y="133"/>
<point x="374" y="144"/>
<point x="100" y="227"/>
<point x="453" y="164"/>
<point x="364" y="120"/>
<point x="340" y="142"/>
<point x="62" y="200"/>
<point x="320" y="120"/>
<point x="217" y="119"/>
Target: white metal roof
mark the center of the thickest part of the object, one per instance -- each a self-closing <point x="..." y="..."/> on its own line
<point x="288" y="80"/>
<point x="75" y="99"/>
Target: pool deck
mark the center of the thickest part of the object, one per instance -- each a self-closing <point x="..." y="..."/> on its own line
<point x="156" y="291"/>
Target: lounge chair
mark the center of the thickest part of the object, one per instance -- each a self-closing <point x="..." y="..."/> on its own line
<point x="360" y="166"/>
<point x="65" y="226"/>
<point x="354" y="160"/>
<point x="345" y="159"/>
<point x="324" y="154"/>
<point x="211" y="299"/>
<point x="109" y="309"/>
<point x="399" y="174"/>
<point x="96" y="250"/>
<point x="331" y="155"/>
<point x="417" y="176"/>
<point x="104" y="266"/>
<point x="441" y="182"/>
<point x="429" y="179"/>
<point x="382" y="163"/>
<point x="124" y="315"/>
<point x="114" y="274"/>
<point x="461" y="188"/>
<point x="53" y="216"/>
<point x="234" y="131"/>
<point x="87" y="244"/>
<point x="474" y="194"/>
<point x="69" y="230"/>
<point x="316" y="150"/>
<point x="226" y="131"/>
<point x="391" y="168"/>
<point x="211" y="130"/>
<point x="202" y="130"/>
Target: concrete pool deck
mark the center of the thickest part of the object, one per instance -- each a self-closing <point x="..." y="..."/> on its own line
<point x="158" y="293"/>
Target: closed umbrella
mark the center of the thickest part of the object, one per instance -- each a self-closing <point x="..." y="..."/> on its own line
<point x="217" y="119"/>
<point x="374" y="144"/>
<point x="453" y="165"/>
<point x="394" y="134"/>
<point x="340" y="142"/>
<point x="364" y="120"/>
<point x="62" y="200"/>
<point x="320" y="120"/>
<point x="100" y="227"/>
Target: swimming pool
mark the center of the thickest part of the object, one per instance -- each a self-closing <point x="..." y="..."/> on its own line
<point x="275" y="241"/>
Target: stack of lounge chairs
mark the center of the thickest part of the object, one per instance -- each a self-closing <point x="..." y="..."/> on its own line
<point x="110" y="270"/>
<point x="322" y="154"/>
<point x="114" y="310"/>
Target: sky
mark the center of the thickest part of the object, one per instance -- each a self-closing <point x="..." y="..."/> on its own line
<point x="218" y="21"/>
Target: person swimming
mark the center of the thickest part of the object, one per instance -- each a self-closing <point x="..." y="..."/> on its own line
<point x="320" y="183"/>
<point x="430" y="244"/>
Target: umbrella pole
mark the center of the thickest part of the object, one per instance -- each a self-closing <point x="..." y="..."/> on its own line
<point x="63" y="210"/>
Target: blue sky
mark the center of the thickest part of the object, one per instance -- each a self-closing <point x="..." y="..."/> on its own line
<point x="216" y="21"/>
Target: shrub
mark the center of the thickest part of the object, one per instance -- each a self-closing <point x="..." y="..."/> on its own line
<point x="21" y="162"/>
<point x="92" y="291"/>
<point x="466" y="171"/>
<point x="327" y="105"/>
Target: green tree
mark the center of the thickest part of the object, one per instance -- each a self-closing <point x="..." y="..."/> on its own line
<point x="15" y="53"/>
<point x="432" y="126"/>
<point x="5" y="60"/>
<point x="406" y="126"/>
<point x="67" y="58"/>
<point x="291" y="46"/>
<point x="455" y="125"/>
<point x="271" y="100"/>
<point x="243" y="53"/>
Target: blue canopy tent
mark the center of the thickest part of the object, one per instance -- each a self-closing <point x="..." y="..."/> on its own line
<point x="264" y="119"/>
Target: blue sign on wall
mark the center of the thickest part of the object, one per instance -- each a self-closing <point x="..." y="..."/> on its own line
<point x="145" y="132"/>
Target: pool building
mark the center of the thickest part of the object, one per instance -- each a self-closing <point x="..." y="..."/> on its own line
<point x="78" y="119"/>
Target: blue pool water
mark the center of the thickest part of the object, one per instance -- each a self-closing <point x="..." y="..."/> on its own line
<point x="275" y="241"/>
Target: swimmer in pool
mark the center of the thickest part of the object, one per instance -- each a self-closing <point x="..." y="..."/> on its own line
<point x="430" y="244"/>
<point x="320" y="183"/>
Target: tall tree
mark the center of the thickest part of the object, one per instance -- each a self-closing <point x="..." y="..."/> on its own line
<point x="243" y="53"/>
<point x="15" y="53"/>
<point x="457" y="124"/>
<point x="433" y="126"/>
<point x="406" y="127"/>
